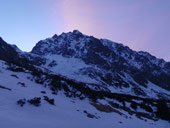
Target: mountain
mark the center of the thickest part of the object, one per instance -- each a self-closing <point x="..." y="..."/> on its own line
<point x="110" y="65"/>
<point x="73" y="76"/>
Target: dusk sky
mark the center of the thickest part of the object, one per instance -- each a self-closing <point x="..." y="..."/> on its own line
<point x="140" y="24"/>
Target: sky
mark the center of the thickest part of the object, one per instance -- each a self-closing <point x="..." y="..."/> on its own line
<point x="143" y="25"/>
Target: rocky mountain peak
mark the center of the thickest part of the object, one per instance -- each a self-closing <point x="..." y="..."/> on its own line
<point x="105" y="58"/>
<point x="77" y="32"/>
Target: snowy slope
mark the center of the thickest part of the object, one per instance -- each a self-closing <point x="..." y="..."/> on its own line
<point x="75" y="80"/>
<point x="68" y="67"/>
<point x="66" y="113"/>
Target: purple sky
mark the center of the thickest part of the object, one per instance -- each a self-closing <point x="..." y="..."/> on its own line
<point x="140" y="24"/>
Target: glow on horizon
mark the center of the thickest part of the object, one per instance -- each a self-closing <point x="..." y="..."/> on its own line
<point x="141" y="25"/>
<point x="133" y="23"/>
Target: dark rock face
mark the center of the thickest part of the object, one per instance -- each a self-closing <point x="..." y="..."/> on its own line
<point x="7" y="52"/>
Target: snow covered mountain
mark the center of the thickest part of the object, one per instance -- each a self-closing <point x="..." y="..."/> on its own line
<point x="74" y="77"/>
<point x="109" y="65"/>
